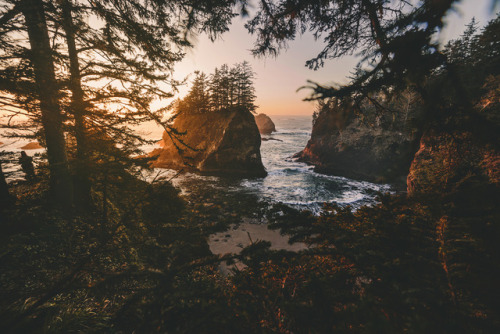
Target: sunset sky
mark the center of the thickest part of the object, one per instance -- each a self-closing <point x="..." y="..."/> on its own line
<point x="278" y="78"/>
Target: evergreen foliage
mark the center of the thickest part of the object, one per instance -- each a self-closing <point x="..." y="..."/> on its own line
<point x="103" y="63"/>
<point x="225" y="90"/>
<point x="394" y="38"/>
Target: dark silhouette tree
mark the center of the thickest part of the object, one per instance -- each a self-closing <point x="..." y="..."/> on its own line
<point x="393" y="37"/>
<point x="104" y="53"/>
<point x="137" y="57"/>
<point x="245" y="90"/>
<point x="48" y="94"/>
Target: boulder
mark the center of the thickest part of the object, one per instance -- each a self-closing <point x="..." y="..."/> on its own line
<point x="265" y="124"/>
<point x="220" y="143"/>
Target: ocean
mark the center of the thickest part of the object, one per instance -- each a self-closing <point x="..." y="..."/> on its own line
<point x="288" y="181"/>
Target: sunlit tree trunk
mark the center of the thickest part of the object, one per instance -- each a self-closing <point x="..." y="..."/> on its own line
<point x="41" y="58"/>
<point x="78" y="108"/>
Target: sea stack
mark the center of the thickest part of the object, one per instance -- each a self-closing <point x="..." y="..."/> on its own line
<point x="368" y="146"/>
<point x="223" y="142"/>
<point x="265" y="124"/>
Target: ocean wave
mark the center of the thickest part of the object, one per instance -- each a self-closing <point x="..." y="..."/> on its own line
<point x="289" y="170"/>
<point x="293" y="133"/>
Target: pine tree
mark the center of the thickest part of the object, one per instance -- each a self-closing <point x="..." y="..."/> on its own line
<point x="232" y="87"/>
<point x="198" y="99"/>
<point x="118" y="53"/>
<point x="48" y="93"/>
<point x="246" y="90"/>
<point x="395" y="38"/>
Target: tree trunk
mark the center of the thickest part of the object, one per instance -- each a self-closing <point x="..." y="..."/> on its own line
<point x="5" y="198"/>
<point x="41" y="58"/>
<point x="78" y="108"/>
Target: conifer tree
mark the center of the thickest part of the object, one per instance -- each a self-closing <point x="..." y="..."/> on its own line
<point x="232" y="87"/>
<point x="117" y="53"/>
<point x="48" y="93"/>
<point x="198" y="99"/>
<point x="245" y="88"/>
<point x="395" y="38"/>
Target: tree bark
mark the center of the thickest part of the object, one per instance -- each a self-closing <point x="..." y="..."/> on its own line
<point x="79" y="110"/>
<point x="5" y="198"/>
<point x="41" y="58"/>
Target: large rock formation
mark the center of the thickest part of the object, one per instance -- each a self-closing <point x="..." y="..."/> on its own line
<point x="371" y="146"/>
<point x="445" y="160"/>
<point x="265" y="124"/>
<point x="465" y="154"/>
<point x="225" y="143"/>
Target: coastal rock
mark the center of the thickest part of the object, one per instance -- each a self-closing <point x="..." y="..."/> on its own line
<point x="31" y="146"/>
<point x="447" y="160"/>
<point x="367" y="146"/>
<point x="224" y="143"/>
<point x="265" y="124"/>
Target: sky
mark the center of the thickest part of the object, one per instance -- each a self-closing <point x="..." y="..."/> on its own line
<point x="277" y="79"/>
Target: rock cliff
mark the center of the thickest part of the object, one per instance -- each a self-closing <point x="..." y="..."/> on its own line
<point x="265" y="124"/>
<point x="446" y="160"/>
<point x="224" y="143"/>
<point x="371" y="146"/>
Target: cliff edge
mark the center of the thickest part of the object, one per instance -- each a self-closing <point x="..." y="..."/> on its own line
<point x="366" y="146"/>
<point x="224" y="143"/>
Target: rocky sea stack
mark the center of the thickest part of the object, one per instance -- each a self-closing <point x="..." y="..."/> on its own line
<point x="366" y="146"/>
<point x="225" y="143"/>
<point x="265" y="124"/>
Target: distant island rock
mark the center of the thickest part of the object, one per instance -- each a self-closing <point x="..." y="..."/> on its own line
<point x="31" y="146"/>
<point x="265" y="124"/>
<point x="366" y="146"/>
<point x="225" y="143"/>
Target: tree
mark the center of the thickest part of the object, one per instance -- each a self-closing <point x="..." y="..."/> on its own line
<point x="216" y="94"/>
<point x="117" y="53"/>
<point x="245" y="96"/>
<point x="395" y="38"/>
<point x="232" y="87"/>
<point x="48" y="93"/>
<point x="77" y="106"/>
<point x="198" y="98"/>
<point x="137" y="68"/>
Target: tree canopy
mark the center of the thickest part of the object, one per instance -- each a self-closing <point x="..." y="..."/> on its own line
<point x="99" y="68"/>
<point x="228" y="88"/>
<point x="394" y="38"/>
